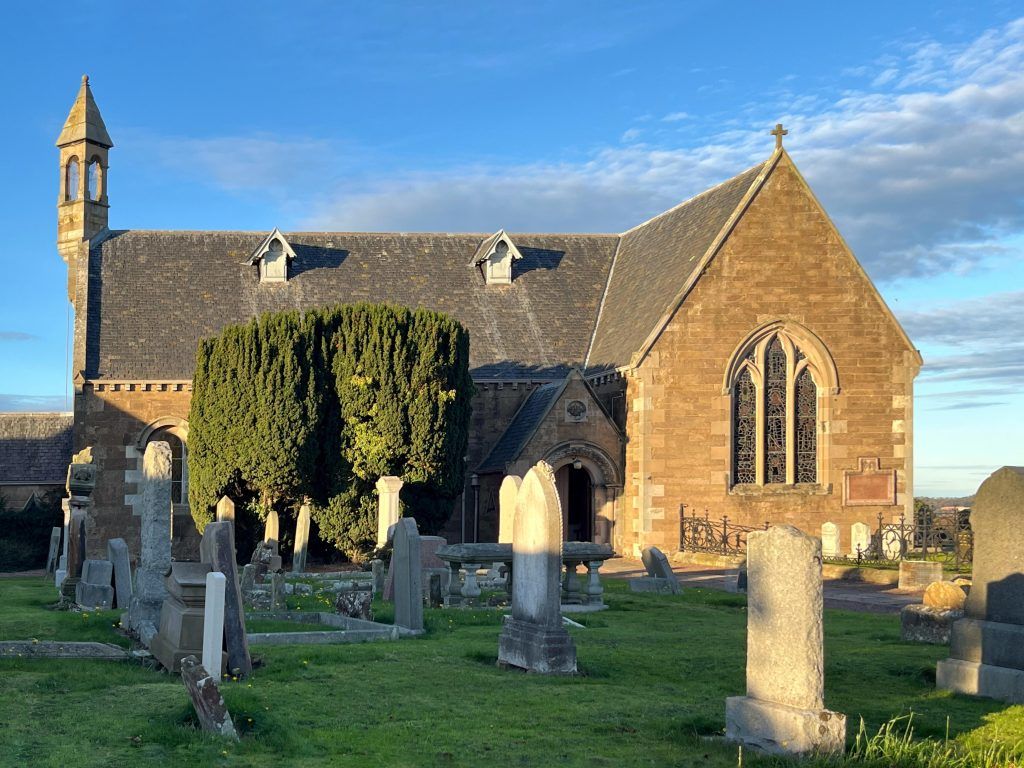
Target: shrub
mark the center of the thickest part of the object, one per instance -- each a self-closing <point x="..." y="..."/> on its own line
<point x="25" y="534"/>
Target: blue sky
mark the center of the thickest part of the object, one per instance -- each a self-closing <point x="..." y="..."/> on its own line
<point x="907" y="119"/>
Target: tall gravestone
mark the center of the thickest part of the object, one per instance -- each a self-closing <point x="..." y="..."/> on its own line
<point x="117" y="553"/>
<point x="217" y="549"/>
<point x="408" y="575"/>
<point x="53" y="555"/>
<point x="860" y="539"/>
<point x="76" y="556"/>
<point x="81" y="481"/>
<point x="784" y="709"/>
<point x="213" y="621"/>
<point x="533" y="638"/>
<point x="272" y="530"/>
<point x="829" y="540"/>
<point x="301" y="540"/>
<point x="507" y="507"/>
<point x="389" y="508"/>
<point x="155" y="552"/>
<point x="62" y="560"/>
<point x="986" y="654"/>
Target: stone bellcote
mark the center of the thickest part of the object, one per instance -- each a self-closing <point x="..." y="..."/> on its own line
<point x="82" y="202"/>
<point x="495" y="257"/>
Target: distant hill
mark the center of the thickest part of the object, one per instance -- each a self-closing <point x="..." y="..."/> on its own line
<point x="947" y="501"/>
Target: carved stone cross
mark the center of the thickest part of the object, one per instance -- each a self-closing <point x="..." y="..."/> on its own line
<point x="778" y="133"/>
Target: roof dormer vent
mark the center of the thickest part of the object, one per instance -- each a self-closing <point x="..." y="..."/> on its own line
<point x="272" y="257"/>
<point x="495" y="256"/>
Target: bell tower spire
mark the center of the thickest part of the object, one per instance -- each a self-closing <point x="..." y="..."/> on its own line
<point x="82" y="203"/>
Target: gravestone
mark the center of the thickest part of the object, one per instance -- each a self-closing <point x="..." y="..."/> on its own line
<point x="534" y="638"/>
<point x="783" y="711"/>
<point x="301" y="540"/>
<point x="377" y="570"/>
<point x="81" y="481"/>
<point x="660" y="577"/>
<point x="408" y="575"/>
<point x="62" y="560"/>
<point x="217" y="550"/>
<point x="225" y="510"/>
<point x="986" y="655"/>
<point x="53" y="557"/>
<point x="182" y="614"/>
<point x="830" y="540"/>
<point x="213" y="622"/>
<point x="429" y="563"/>
<point x="272" y="530"/>
<point x="76" y="556"/>
<point x="389" y="508"/>
<point x="202" y="687"/>
<point x="155" y="552"/>
<point x="117" y="553"/>
<point x="507" y="507"/>
<point x="916" y="575"/>
<point x="94" y="590"/>
<point x="860" y="539"/>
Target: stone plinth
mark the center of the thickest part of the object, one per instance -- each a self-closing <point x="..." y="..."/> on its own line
<point x="986" y="655"/>
<point x="182" y="615"/>
<point x="534" y="638"/>
<point x="783" y="711"/>
<point x="925" y="624"/>
<point x="916" y="575"/>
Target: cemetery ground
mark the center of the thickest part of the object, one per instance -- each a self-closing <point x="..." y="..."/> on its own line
<point x="655" y="671"/>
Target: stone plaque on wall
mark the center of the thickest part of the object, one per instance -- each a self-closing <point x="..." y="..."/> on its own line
<point x="870" y="485"/>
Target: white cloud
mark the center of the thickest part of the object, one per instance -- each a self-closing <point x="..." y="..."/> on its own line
<point x="675" y="117"/>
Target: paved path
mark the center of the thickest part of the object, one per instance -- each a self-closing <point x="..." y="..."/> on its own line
<point x="846" y="595"/>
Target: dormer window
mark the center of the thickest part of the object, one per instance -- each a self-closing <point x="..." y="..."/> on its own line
<point x="495" y="258"/>
<point x="272" y="258"/>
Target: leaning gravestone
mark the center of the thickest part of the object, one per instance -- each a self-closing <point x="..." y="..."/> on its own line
<point x="301" y="540"/>
<point x="53" y="557"/>
<point x="408" y="575"/>
<point x="217" y="549"/>
<point x="117" y="553"/>
<point x="507" y="507"/>
<point x="829" y="540"/>
<point x="986" y="655"/>
<point x="94" y="590"/>
<point x="534" y="638"/>
<point x="783" y="711"/>
<point x="155" y="553"/>
<point x="660" y="576"/>
<point x="204" y="691"/>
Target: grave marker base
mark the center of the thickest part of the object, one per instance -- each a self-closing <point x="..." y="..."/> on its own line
<point x="535" y="648"/>
<point x="783" y="730"/>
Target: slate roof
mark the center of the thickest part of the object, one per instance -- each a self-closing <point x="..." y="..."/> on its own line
<point x="154" y="294"/>
<point x="522" y="427"/>
<point x="653" y="264"/>
<point x="35" y="448"/>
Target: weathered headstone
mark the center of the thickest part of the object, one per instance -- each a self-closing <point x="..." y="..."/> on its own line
<point x="94" y="590"/>
<point x="408" y="575"/>
<point x="534" y="638"/>
<point x="377" y="569"/>
<point x="81" y="481"/>
<point x="389" y="508"/>
<point x="213" y="622"/>
<point x="301" y="540"/>
<point x="155" y="552"/>
<point x="272" y="530"/>
<point x="783" y="711"/>
<point x="860" y="539"/>
<point x="62" y="561"/>
<point x="117" y="553"/>
<point x="53" y="557"/>
<point x="927" y="624"/>
<point x="216" y="549"/>
<point x="830" y="540"/>
<point x="76" y="555"/>
<point x="916" y="575"/>
<point x="507" y="507"/>
<point x="986" y="655"/>
<point x="207" y="701"/>
<point x="660" y="576"/>
<point x="429" y="563"/>
<point x="225" y="510"/>
<point x="181" y="617"/>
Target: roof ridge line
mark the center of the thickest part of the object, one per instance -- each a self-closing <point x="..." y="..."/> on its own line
<point x="692" y="198"/>
<point x="263" y="232"/>
<point x="600" y="308"/>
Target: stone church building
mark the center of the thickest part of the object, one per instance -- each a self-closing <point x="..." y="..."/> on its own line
<point x="729" y="355"/>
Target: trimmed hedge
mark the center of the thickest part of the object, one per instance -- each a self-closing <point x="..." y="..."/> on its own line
<point x="318" y="405"/>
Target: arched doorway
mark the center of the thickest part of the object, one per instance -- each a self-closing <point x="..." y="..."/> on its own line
<point x="576" y="492"/>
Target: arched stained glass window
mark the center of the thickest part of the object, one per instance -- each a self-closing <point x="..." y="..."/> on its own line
<point x="806" y="428"/>
<point x="745" y="429"/>
<point x="775" y="413"/>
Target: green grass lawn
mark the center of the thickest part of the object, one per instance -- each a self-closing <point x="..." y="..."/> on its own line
<point x="655" y="674"/>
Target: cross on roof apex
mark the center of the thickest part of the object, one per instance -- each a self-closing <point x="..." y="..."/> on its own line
<point x="778" y="133"/>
